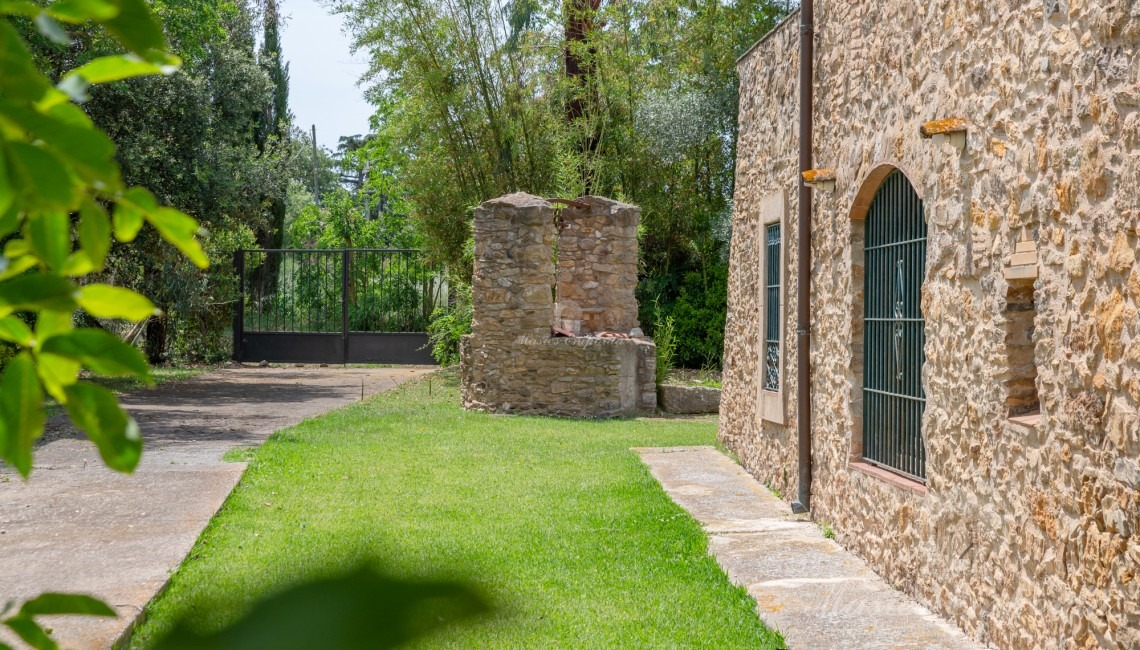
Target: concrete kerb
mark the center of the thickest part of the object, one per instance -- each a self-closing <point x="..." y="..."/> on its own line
<point x="806" y="586"/>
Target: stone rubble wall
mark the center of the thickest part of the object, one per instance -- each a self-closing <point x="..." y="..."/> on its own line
<point x="597" y="267"/>
<point x="1026" y="537"/>
<point x="578" y="377"/>
<point x="513" y="276"/>
<point x="510" y="362"/>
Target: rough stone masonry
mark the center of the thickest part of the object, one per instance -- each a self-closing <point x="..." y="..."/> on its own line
<point x="1027" y="530"/>
<point x="511" y="361"/>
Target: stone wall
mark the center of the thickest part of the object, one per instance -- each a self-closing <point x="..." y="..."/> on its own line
<point x="1024" y="534"/>
<point x="514" y="268"/>
<point x="510" y="362"/>
<point x="597" y="267"/>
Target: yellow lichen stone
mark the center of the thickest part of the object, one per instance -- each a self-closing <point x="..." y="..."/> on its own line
<point x="1121" y="256"/>
<point x="1110" y="325"/>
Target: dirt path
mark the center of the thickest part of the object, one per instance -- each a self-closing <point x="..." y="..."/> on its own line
<point x="79" y="527"/>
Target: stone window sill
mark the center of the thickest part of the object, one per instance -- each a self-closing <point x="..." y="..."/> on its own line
<point x="1023" y="424"/>
<point x="889" y="477"/>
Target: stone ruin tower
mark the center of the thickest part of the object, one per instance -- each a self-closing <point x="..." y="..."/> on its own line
<point x="582" y="356"/>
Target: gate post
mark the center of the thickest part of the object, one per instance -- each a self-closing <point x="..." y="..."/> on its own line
<point x="239" y="314"/>
<point x="344" y="261"/>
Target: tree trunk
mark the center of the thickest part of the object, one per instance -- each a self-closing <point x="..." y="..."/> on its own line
<point x="580" y="25"/>
<point x="156" y="340"/>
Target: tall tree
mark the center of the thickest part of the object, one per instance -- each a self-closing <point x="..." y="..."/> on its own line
<point x="273" y="126"/>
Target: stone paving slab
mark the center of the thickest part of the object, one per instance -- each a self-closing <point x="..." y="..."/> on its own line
<point x="806" y="586"/>
<point x="78" y="527"/>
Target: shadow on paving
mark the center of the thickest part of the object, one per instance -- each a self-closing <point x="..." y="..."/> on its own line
<point x="237" y="406"/>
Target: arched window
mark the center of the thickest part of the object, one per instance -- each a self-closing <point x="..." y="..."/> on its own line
<point x="893" y="329"/>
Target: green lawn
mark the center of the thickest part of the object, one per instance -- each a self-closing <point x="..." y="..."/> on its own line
<point x="555" y="522"/>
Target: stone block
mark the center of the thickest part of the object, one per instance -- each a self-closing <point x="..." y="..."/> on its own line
<point x="689" y="400"/>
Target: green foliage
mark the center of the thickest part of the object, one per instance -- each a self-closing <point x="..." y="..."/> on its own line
<point x="700" y="314"/>
<point x="665" y="338"/>
<point x="23" y="622"/>
<point x="193" y="138"/>
<point x="449" y="325"/>
<point x="55" y="163"/>
<point x="827" y="530"/>
<point x="474" y="100"/>
<point x="204" y="309"/>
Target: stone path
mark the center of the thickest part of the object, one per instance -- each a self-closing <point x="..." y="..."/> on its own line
<point x="76" y="526"/>
<point x="815" y="593"/>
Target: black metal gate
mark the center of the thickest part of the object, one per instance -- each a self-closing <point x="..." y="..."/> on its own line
<point x="335" y="306"/>
<point x="894" y="337"/>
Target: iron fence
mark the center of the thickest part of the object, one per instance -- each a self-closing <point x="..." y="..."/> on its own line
<point x="291" y="299"/>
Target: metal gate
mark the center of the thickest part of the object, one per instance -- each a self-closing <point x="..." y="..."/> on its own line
<point x="335" y="306"/>
<point x="893" y="336"/>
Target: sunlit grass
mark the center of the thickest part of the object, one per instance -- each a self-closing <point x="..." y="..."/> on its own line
<point x="556" y="522"/>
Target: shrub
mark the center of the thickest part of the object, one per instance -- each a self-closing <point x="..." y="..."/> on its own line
<point x="664" y="335"/>
<point x="700" y="312"/>
<point x="448" y="325"/>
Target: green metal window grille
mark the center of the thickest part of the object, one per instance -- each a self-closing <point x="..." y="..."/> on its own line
<point x="893" y="334"/>
<point x="772" y="308"/>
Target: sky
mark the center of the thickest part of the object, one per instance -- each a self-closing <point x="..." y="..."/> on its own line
<point x="323" y="73"/>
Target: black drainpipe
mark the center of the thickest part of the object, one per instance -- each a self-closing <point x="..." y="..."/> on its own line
<point x="803" y="324"/>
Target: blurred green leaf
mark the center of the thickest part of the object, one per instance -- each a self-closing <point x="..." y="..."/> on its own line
<point x="14" y="330"/>
<point x="77" y="11"/>
<point x="18" y="8"/>
<point x="45" y="180"/>
<point x="22" y="409"/>
<point x="105" y="301"/>
<point x="95" y="410"/>
<point x="71" y="137"/>
<point x="136" y="29"/>
<point x="50" y="237"/>
<point x="181" y="230"/>
<point x="52" y="30"/>
<point x="118" y="67"/>
<point x="57" y="373"/>
<point x="360" y="611"/>
<point x="51" y="604"/>
<point x="31" y="633"/>
<point x="100" y="351"/>
<point x="128" y="222"/>
<point x="78" y="264"/>
<point x="10" y="268"/>
<point x="7" y="196"/>
<point x="36" y="291"/>
<point x="94" y="232"/>
<point x="22" y="81"/>
<point x="51" y="322"/>
<point x="14" y="248"/>
<point x="129" y="211"/>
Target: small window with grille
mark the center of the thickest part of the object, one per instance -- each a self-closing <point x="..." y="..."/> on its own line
<point x="772" y="307"/>
<point x="771" y="354"/>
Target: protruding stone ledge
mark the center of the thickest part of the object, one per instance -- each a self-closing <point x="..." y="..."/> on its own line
<point x="947" y="131"/>
<point x="820" y="179"/>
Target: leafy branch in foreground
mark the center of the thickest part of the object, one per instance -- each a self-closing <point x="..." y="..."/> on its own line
<point x="62" y="200"/>
<point x="23" y="621"/>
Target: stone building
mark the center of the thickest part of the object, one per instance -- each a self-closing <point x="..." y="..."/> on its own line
<point x="975" y="360"/>
<point x="512" y="360"/>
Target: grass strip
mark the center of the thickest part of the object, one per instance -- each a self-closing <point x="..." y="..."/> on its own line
<point x="561" y="527"/>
